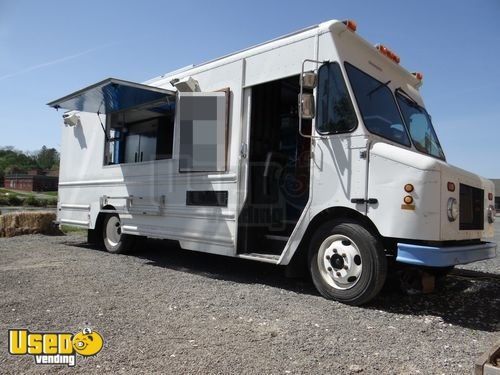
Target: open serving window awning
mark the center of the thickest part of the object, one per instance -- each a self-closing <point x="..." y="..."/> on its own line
<point x="112" y="95"/>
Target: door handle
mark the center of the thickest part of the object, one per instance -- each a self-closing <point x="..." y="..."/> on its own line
<point x="243" y="150"/>
<point x="362" y="200"/>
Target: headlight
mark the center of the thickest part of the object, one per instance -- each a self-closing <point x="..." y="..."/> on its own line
<point x="452" y="209"/>
<point x="491" y="214"/>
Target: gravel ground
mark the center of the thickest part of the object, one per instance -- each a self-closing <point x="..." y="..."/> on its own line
<point x="163" y="310"/>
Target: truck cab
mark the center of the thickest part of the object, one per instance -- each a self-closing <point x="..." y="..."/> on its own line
<point x="388" y="164"/>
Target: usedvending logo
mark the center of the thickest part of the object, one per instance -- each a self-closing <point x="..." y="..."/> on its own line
<point x="55" y="348"/>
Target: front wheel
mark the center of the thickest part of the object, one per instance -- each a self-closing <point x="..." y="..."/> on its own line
<point x="347" y="263"/>
<point x="114" y="240"/>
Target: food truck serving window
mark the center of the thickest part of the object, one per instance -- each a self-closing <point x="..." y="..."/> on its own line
<point x="140" y="135"/>
<point x="139" y="118"/>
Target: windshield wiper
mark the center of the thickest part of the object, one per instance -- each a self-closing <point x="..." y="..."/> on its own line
<point x="412" y="101"/>
<point x="378" y="87"/>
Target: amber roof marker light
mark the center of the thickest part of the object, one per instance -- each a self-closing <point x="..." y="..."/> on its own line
<point x="387" y="52"/>
<point x="418" y="75"/>
<point x="351" y="25"/>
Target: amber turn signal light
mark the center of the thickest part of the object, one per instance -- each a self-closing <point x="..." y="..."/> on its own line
<point x="451" y="186"/>
<point x="490" y="196"/>
<point x="408" y="199"/>
<point x="409" y="188"/>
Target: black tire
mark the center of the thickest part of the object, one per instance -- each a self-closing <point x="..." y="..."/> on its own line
<point x="94" y="236"/>
<point x="116" y="242"/>
<point x="362" y="256"/>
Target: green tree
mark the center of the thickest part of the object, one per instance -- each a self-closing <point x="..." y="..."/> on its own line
<point x="12" y="158"/>
<point x="14" y="169"/>
<point x="47" y="158"/>
<point x="16" y="161"/>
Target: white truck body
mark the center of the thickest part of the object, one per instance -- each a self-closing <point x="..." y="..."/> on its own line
<point x="346" y="170"/>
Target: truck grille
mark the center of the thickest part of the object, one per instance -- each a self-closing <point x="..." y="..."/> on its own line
<point x="471" y="208"/>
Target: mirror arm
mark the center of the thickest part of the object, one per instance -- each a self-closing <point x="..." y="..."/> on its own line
<point x="300" y="95"/>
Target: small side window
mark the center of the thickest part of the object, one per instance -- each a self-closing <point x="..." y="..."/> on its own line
<point x="335" y="110"/>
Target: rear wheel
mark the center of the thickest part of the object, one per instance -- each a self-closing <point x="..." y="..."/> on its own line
<point x="347" y="263"/>
<point x="115" y="241"/>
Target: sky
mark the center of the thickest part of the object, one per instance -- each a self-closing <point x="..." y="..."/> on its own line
<point x="51" y="48"/>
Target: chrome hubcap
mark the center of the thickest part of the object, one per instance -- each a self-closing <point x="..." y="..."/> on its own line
<point x="113" y="231"/>
<point x="339" y="261"/>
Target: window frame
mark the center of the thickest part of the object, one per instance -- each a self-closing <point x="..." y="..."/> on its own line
<point x="345" y="81"/>
<point x="108" y="140"/>
<point x="410" y="143"/>
<point x="400" y="93"/>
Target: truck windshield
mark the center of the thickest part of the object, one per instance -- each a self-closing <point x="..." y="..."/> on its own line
<point x="377" y="105"/>
<point x="420" y="126"/>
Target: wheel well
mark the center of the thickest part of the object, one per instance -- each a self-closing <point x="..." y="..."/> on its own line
<point x="95" y="235"/>
<point x="100" y="217"/>
<point x="300" y="257"/>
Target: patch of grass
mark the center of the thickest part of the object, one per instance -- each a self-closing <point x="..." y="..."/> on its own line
<point x="14" y="200"/>
<point x="22" y="193"/>
<point x="52" y="202"/>
<point x="14" y="192"/>
<point x="4" y="200"/>
<point x="72" y="229"/>
<point x="8" y="198"/>
<point x="30" y="200"/>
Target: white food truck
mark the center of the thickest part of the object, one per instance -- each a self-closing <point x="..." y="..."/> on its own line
<point x="313" y="148"/>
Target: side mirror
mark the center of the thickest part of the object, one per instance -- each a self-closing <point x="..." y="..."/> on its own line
<point x="306" y="106"/>
<point x="309" y="80"/>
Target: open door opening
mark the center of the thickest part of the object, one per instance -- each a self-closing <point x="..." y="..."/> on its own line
<point x="278" y="177"/>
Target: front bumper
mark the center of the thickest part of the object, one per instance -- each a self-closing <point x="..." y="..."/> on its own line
<point x="444" y="256"/>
